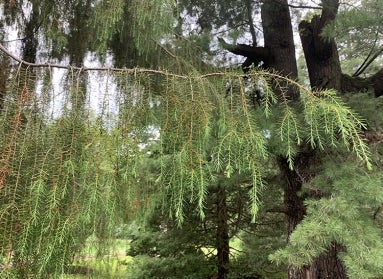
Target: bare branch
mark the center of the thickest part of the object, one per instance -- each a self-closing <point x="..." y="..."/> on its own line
<point x="304" y="7"/>
<point x="84" y="68"/>
<point x="249" y="11"/>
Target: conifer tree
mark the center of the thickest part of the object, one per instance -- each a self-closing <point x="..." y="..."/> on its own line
<point x="69" y="170"/>
<point x="323" y="74"/>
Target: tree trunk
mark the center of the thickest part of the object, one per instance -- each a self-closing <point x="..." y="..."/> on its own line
<point x="30" y="40"/>
<point x="325" y="73"/>
<point x="278" y="52"/>
<point x="322" y="57"/>
<point x="328" y="265"/>
<point x="293" y="206"/>
<point x="278" y="37"/>
<point x="321" y="54"/>
<point x="4" y="74"/>
<point x="279" y="41"/>
<point x="324" y="69"/>
<point x="223" y="249"/>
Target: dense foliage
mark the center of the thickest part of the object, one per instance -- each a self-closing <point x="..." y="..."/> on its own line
<point x="186" y="160"/>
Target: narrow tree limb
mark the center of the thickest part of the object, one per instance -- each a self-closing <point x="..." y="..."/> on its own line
<point x="242" y="49"/>
<point x="84" y="68"/>
<point x="253" y="54"/>
<point x="357" y="84"/>
<point x="249" y="11"/>
<point x="368" y="60"/>
<point x="305" y="7"/>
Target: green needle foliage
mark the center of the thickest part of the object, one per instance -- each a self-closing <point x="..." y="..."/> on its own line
<point x="58" y="186"/>
<point x="70" y="175"/>
<point x="68" y="166"/>
<point x="344" y="218"/>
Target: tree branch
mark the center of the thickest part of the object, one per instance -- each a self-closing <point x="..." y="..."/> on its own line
<point x="253" y="54"/>
<point x="70" y="67"/>
<point x="249" y="11"/>
<point x="304" y="7"/>
<point x="329" y="11"/>
<point x="369" y="59"/>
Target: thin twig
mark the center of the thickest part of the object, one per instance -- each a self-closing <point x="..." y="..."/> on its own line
<point x="70" y="67"/>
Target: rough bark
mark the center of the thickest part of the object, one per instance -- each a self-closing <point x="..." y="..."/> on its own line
<point x="278" y="52"/>
<point x="322" y="57"/>
<point x="278" y="37"/>
<point x="279" y="40"/>
<point x="293" y="207"/>
<point x="328" y="265"/>
<point x="223" y="249"/>
<point x="321" y="54"/>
